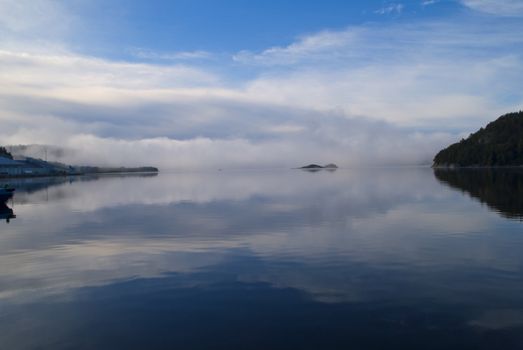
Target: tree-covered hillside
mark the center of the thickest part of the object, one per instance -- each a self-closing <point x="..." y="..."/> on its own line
<point x="500" y="143"/>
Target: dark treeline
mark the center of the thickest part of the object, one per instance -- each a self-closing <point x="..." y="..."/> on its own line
<point x="4" y="153"/>
<point x="500" y="143"/>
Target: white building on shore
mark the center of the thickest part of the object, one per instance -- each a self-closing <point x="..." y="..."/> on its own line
<point x="9" y="167"/>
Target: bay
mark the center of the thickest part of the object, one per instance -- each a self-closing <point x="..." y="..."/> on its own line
<point x="405" y="258"/>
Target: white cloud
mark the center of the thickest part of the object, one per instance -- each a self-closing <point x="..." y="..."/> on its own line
<point x="388" y="44"/>
<point x="170" y="56"/>
<point x="72" y="71"/>
<point x="396" y="73"/>
<point x="390" y="9"/>
<point x="429" y="2"/>
<point x="35" y="24"/>
<point x="511" y="8"/>
<point x="324" y="45"/>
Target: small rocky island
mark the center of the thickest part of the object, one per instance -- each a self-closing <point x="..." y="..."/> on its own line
<point x="331" y="166"/>
<point x="499" y="144"/>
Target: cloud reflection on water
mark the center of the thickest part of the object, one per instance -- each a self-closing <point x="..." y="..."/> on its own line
<point x="89" y="233"/>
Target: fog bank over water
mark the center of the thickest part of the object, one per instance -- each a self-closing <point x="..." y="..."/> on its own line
<point x="344" y="142"/>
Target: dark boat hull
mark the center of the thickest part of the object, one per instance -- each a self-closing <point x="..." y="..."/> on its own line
<point x="6" y="194"/>
<point x="6" y="213"/>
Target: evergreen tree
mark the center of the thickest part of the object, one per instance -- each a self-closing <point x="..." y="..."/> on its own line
<point x="4" y="153"/>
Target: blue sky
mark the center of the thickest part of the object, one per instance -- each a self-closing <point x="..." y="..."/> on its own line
<point x="256" y="83"/>
<point x="112" y="27"/>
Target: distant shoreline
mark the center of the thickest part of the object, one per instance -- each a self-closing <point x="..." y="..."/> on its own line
<point x="107" y="172"/>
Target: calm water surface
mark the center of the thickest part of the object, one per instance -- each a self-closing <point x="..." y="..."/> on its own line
<point x="287" y="259"/>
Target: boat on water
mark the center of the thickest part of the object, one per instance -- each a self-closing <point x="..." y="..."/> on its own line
<point x="6" y="213"/>
<point x="6" y="192"/>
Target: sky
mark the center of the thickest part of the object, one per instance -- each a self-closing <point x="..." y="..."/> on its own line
<point x="190" y="84"/>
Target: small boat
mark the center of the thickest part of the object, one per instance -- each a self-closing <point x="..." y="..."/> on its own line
<point x="6" y="213"/>
<point x="6" y="192"/>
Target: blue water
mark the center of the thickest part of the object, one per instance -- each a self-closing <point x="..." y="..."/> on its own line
<point x="385" y="258"/>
